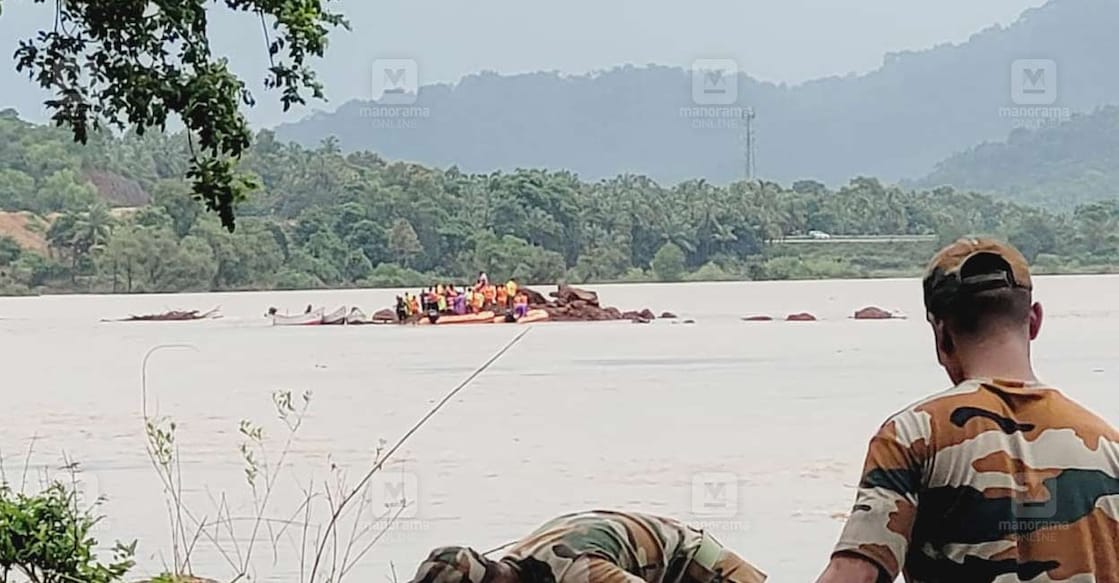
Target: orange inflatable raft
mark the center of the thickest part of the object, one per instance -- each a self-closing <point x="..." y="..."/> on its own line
<point x="530" y="317"/>
<point x="534" y="316"/>
<point x="479" y="318"/>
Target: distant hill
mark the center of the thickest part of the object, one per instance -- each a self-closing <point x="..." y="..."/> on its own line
<point x="895" y="123"/>
<point x="1058" y="168"/>
<point x="43" y="170"/>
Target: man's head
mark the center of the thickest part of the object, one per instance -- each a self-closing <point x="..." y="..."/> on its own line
<point x="979" y="293"/>
<point x="454" y="565"/>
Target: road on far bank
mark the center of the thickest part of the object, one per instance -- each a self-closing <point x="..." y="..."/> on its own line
<point x="862" y="239"/>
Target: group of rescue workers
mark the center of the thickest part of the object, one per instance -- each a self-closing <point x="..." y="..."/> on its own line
<point x="449" y="299"/>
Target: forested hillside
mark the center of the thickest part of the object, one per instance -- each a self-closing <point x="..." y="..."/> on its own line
<point x="897" y="122"/>
<point x="1057" y="168"/>
<point x="325" y="218"/>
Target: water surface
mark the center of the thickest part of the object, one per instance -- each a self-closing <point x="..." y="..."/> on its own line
<point x="576" y="416"/>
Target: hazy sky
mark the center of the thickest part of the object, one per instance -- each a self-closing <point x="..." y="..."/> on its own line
<point x="774" y="40"/>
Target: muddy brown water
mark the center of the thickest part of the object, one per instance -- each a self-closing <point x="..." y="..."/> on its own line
<point x="755" y="431"/>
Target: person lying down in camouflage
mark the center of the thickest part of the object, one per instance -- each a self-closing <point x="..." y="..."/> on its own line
<point x="600" y="546"/>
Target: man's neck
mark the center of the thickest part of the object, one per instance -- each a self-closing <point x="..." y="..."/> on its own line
<point x="998" y="358"/>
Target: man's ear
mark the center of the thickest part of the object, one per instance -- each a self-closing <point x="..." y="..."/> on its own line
<point x="1037" y="314"/>
<point x="943" y="338"/>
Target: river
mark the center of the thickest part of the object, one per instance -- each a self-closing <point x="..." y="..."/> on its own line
<point x="617" y="415"/>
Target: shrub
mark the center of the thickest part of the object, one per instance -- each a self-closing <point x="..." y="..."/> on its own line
<point x="46" y="537"/>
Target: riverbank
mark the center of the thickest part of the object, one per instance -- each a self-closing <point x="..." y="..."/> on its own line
<point x="792" y="259"/>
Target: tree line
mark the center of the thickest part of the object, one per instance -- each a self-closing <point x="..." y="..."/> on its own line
<point x="326" y="219"/>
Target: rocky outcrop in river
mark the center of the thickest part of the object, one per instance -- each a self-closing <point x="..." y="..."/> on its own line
<point x="875" y="313"/>
<point x="572" y="304"/>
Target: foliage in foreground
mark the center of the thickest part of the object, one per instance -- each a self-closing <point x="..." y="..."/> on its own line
<point x="332" y="529"/>
<point x="46" y="537"/>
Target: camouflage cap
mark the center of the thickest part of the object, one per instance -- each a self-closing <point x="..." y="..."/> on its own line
<point x="452" y="565"/>
<point x="954" y="272"/>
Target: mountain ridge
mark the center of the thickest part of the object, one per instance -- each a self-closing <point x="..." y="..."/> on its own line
<point x="896" y="122"/>
<point x="1057" y="168"/>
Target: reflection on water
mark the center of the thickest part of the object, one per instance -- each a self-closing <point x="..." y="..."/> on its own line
<point x="576" y="416"/>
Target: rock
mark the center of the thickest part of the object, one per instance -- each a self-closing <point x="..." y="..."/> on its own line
<point x="535" y="298"/>
<point x="873" y="313"/>
<point x="578" y="304"/>
<point x="758" y="319"/>
<point x="801" y="317"/>
<point x="569" y="294"/>
<point x="630" y="315"/>
<point x="648" y="314"/>
<point x="689" y="321"/>
<point x="668" y="316"/>
<point x="385" y="315"/>
<point x="641" y="321"/>
<point x="614" y="313"/>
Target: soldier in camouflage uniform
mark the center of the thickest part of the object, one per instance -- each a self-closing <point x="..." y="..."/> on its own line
<point x="600" y="546"/>
<point x="1001" y="479"/>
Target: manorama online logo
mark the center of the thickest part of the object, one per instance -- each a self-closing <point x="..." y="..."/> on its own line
<point x="714" y="501"/>
<point x="393" y="499"/>
<point x="396" y="87"/>
<point x="394" y="494"/>
<point x="714" y="95"/>
<point x="1034" y="93"/>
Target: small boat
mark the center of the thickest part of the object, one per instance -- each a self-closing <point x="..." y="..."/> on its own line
<point x="383" y="317"/>
<point x="312" y="318"/>
<point x="441" y="319"/>
<point x="336" y="318"/>
<point x="357" y="317"/>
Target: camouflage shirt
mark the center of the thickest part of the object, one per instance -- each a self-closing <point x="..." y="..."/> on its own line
<point x="653" y="548"/>
<point x="991" y="481"/>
